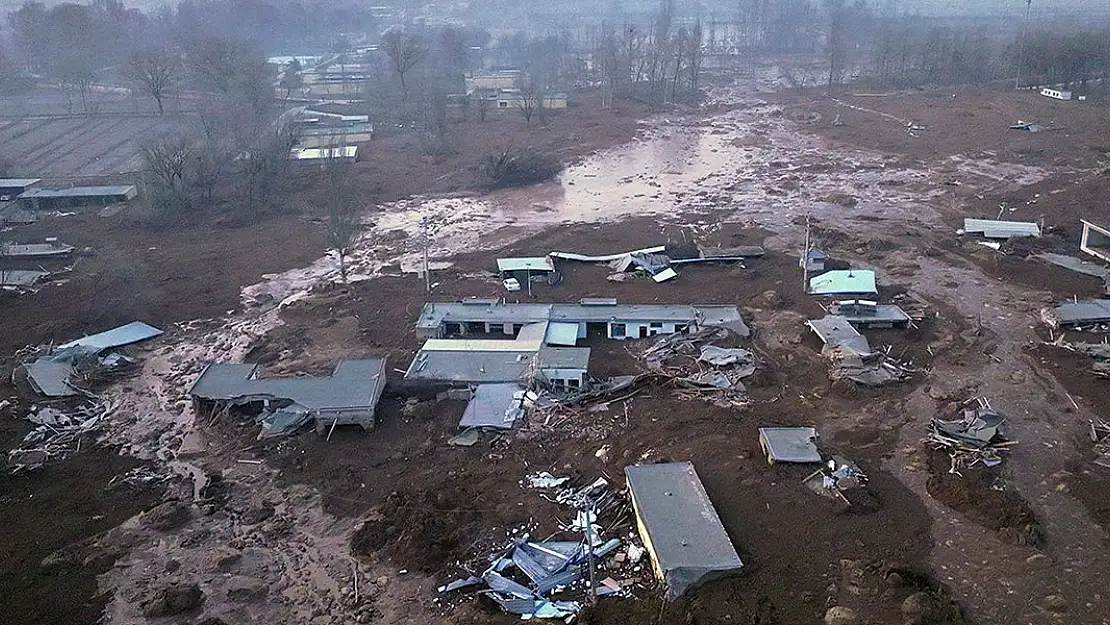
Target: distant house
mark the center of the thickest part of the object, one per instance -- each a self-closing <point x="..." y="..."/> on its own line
<point x="333" y="134"/>
<point x="1054" y="93"/>
<point x="73" y="197"/>
<point x="494" y="80"/>
<point x="321" y="156"/>
<point x="516" y="99"/>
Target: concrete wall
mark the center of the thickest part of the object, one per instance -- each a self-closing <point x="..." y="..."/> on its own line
<point x="560" y="377"/>
<point x="638" y="329"/>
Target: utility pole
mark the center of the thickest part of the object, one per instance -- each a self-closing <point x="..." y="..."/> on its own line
<point x="590" y="515"/>
<point x="805" y="261"/>
<point x="427" y="267"/>
<point x="1021" y="48"/>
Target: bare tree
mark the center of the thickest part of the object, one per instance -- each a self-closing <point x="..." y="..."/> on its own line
<point x="529" y="100"/>
<point x="404" y="50"/>
<point x="339" y="198"/>
<point x="291" y="79"/>
<point x="157" y="71"/>
<point x="167" y="160"/>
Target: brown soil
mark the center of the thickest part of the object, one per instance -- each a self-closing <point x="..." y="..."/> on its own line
<point x="981" y="494"/>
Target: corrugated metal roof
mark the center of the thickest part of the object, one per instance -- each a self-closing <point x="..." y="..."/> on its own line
<point x="687" y="541"/>
<point x="50" y="378"/>
<point x="133" y="332"/>
<point x="353" y="384"/>
<point x="843" y="281"/>
<point x="479" y="367"/>
<point x="20" y="183"/>
<point x="1078" y="313"/>
<point x="20" y="277"/>
<point x="836" y="331"/>
<point x="994" y="229"/>
<point x="537" y="263"/>
<point x="32" y="250"/>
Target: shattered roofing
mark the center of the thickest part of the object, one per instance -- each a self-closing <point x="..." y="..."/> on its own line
<point x="836" y="331"/>
<point x="493" y="405"/>
<point x="1087" y="311"/>
<point x="687" y="541"/>
<point x="133" y="332"/>
<point x="20" y="277"/>
<point x="353" y="384"/>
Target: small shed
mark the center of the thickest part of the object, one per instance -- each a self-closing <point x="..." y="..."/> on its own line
<point x="680" y="528"/>
<point x="844" y="282"/>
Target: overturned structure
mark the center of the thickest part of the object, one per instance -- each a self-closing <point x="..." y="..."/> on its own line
<point x="349" y="396"/>
<point x="679" y="526"/>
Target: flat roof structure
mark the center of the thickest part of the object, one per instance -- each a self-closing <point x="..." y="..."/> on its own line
<point x="346" y="152"/>
<point x="82" y="192"/>
<point x="21" y="277"/>
<point x="866" y="313"/>
<point x="789" y="444"/>
<point x="34" y="250"/>
<point x="435" y="314"/>
<point x="353" y="384"/>
<point x="49" y="375"/>
<point x="493" y="366"/>
<point x="17" y="185"/>
<point x="134" y="332"/>
<point x="1095" y="311"/>
<point x="680" y="528"/>
<point x="538" y="263"/>
<point x="836" y="331"/>
<point x="843" y="282"/>
<point x="494" y="406"/>
<point x="995" y="229"/>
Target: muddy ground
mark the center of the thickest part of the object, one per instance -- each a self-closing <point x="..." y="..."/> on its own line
<point x="273" y="541"/>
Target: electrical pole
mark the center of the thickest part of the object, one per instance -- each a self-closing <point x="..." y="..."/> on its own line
<point x="805" y="261"/>
<point x="1021" y="47"/>
<point x="590" y="515"/>
<point x="427" y="268"/>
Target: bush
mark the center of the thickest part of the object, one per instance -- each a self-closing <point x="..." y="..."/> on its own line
<point x="516" y="168"/>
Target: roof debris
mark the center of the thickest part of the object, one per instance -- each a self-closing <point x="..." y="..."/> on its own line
<point x="1077" y="313"/>
<point x="976" y="438"/>
<point x="494" y="406"/>
<point x="57" y="373"/>
<point x="995" y="229"/>
<point x="59" y="432"/>
<point x="836" y="480"/>
<point x="1100" y="435"/>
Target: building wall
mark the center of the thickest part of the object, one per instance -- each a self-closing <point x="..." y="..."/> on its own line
<point x="642" y="329"/>
<point x="321" y="141"/>
<point x="363" y="417"/>
<point x="562" y="377"/>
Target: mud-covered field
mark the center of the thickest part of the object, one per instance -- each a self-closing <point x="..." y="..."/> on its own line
<point x="289" y="524"/>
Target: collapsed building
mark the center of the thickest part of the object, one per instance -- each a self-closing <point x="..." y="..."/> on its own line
<point x="349" y="396"/>
<point x="59" y="372"/>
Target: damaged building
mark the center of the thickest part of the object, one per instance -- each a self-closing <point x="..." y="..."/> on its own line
<point x="680" y="528"/>
<point x="592" y="316"/>
<point x="59" y="372"/>
<point x="349" y="396"/>
<point x="1095" y="240"/>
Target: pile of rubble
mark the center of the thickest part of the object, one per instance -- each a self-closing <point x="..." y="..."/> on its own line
<point x="551" y="578"/>
<point x="1100" y="435"/>
<point x="698" y="365"/>
<point x="58" y="433"/>
<point x="837" y="480"/>
<point x="976" y="438"/>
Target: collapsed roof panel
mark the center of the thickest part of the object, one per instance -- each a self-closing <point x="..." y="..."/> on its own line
<point x="133" y="332"/>
<point x="34" y="250"/>
<point x="679" y="526"/>
<point x="493" y="366"/>
<point x="836" y="331"/>
<point x="20" y="277"/>
<point x="789" y="444"/>
<point x="50" y="378"/>
<point x="494" y="406"/>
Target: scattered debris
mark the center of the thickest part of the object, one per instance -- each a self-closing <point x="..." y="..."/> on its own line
<point x="976" y="438"/>
<point x="837" y="477"/>
<point x="1100" y="436"/>
<point x="851" y="357"/>
<point x="1077" y="265"/>
<point x="789" y="444"/>
<point x="64" y="370"/>
<point x="524" y="577"/>
<point x="1029" y="126"/>
<point x="679" y="527"/>
<point x="674" y="358"/>
<point x="59" y="433"/>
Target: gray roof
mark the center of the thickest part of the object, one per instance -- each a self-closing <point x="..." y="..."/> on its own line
<point x="493" y="406"/>
<point x="835" y="331"/>
<point x="20" y="277"/>
<point x="109" y="191"/>
<point x="790" y="444"/>
<point x="33" y="250"/>
<point x="1082" y="312"/>
<point x="435" y="314"/>
<point x="353" y="384"/>
<point x="10" y="183"/>
<point x="492" y="366"/>
<point x="863" y="314"/>
<point x="994" y="229"/>
<point x="133" y="332"/>
<point x="685" y="536"/>
<point x="50" y="378"/>
<point x="327" y="131"/>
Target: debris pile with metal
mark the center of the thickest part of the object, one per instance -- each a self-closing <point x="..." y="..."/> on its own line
<point x="837" y="480"/>
<point x="1100" y="436"/>
<point x="976" y="438"/>
<point x="550" y="579"/>
<point x="851" y="357"/>
<point x="1100" y="352"/>
<point x="654" y="262"/>
<point x="59" y="432"/>
<point x="699" y="366"/>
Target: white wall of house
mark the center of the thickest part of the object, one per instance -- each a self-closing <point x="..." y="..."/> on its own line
<point x="638" y="329"/>
<point x="571" y="378"/>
